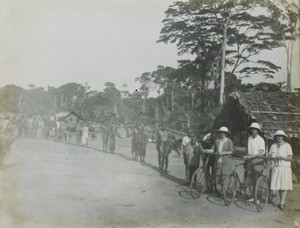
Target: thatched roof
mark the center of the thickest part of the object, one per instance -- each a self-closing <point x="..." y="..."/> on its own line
<point x="273" y="110"/>
<point x="66" y="114"/>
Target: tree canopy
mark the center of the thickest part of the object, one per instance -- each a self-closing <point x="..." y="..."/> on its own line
<point x="196" y="26"/>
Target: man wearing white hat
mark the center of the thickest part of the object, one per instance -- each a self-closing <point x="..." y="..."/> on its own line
<point x="256" y="144"/>
<point x="256" y="148"/>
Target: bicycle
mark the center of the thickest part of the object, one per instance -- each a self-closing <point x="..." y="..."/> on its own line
<point x="203" y="178"/>
<point x="199" y="182"/>
<point x="262" y="186"/>
<point x="232" y="182"/>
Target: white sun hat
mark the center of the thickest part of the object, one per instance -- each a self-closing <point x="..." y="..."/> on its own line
<point x="255" y="126"/>
<point x="280" y="133"/>
<point x="224" y="129"/>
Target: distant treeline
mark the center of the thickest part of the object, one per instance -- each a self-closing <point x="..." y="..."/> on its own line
<point x="181" y="108"/>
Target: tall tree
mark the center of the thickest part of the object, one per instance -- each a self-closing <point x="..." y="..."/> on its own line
<point x="146" y="83"/>
<point x="286" y="15"/>
<point x="199" y="27"/>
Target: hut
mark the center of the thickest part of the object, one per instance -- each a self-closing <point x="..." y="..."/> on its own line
<point x="68" y="116"/>
<point x="272" y="110"/>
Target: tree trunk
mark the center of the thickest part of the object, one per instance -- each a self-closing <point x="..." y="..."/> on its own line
<point x="192" y="98"/>
<point x="167" y="101"/>
<point x="172" y="97"/>
<point x="156" y="116"/>
<point x="291" y="66"/>
<point x="288" y="66"/>
<point x="222" y="84"/>
<point x="116" y="111"/>
<point x="144" y="103"/>
<point x="188" y="121"/>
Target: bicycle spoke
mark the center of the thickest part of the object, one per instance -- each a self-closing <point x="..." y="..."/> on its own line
<point x="230" y="188"/>
<point x="261" y="193"/>
<point x="198" y="184"/>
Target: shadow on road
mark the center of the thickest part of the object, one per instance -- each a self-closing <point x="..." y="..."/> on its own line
<point x="215" y="199"/>
<point x="245" y="205"/>
<point x="155" y="168"/>
<point x="211" y="197"/>
<point x="185" y="193"/>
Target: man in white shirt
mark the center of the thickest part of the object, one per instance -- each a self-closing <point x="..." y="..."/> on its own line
<point x="184" y="147"/>
<point x="256" y="149"/>
<point x="57" y="126"/>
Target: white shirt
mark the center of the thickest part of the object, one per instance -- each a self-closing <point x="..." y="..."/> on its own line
<point x="255" y="145"/>
<point x="185" y="140"/>
<point x="85" y="130"/>
<point x="164" y="135"/>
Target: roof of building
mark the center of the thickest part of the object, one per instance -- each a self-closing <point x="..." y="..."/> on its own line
<point x="66" y="114"/>
<point x="273" y="110"/>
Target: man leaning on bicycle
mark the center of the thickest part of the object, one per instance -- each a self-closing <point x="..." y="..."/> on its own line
<point x="253" y="164"/>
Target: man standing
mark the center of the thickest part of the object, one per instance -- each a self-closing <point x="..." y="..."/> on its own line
<point x="134" y="142"/>
<point x="104" y="134"/>
<point x="85" y="134"/>
<point x="63" y="130"/>
<point x="57" y="127"/>
<point x="78" y="130"/>
<point x="193" y="153"/>
<point x="111" y="142"/>
<point x="35" y="126"/>
<point x="142" y="142"/>
<point x="184" y="148"/>
<point x="163" y="148"/>
<point x="256" y="148"/>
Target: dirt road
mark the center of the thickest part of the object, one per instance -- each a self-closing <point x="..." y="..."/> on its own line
<point x="49" y="184"/>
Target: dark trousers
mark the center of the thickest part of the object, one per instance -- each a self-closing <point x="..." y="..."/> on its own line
<point x="211" y="163"/>
<point x="192" y="171"/>
<point x="253" y="170"/>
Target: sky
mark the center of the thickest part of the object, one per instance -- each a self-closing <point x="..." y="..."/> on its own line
<point x="54" y="42"/>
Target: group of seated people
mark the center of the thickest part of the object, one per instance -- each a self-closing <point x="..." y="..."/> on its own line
<point x="280" y="153"/>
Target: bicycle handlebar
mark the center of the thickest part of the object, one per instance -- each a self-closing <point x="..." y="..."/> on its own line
<point x="209" y="151"/>
<point x="237" y="158"/>
<point x="264" y="158"/>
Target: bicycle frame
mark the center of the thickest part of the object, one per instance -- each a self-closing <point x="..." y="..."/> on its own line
<point x="213" y="179"/>
<point x="233" y="183"/>
<point x="267" y="167"/>
<point x="236" y="164"/>
<point x="261" y="201"/>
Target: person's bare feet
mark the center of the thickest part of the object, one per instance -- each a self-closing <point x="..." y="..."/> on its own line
<point x="281" y="207"/>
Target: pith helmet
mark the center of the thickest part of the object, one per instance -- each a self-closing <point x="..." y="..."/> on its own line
<point x="224" y="129"/>
<point x="255" y="126"/>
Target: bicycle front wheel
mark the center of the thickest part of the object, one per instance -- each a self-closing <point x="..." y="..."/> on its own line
<point x="209" y="179"/>
<point x="198" y="183"/>
<point x="261" y="193"/>
<point x="230" y="188"/>
<point x="218" y="178"/>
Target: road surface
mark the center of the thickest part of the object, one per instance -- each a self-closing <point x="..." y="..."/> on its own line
<point x="49" y="184"/>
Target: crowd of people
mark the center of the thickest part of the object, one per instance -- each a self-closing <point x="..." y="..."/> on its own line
<point x="280" y="153"/>
<point x="193" y="150"/>
<point x="194" y="155"/>
<point x="60" y="129"/>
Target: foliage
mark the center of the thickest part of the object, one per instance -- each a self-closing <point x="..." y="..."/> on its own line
<point x="196" y="26"/>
